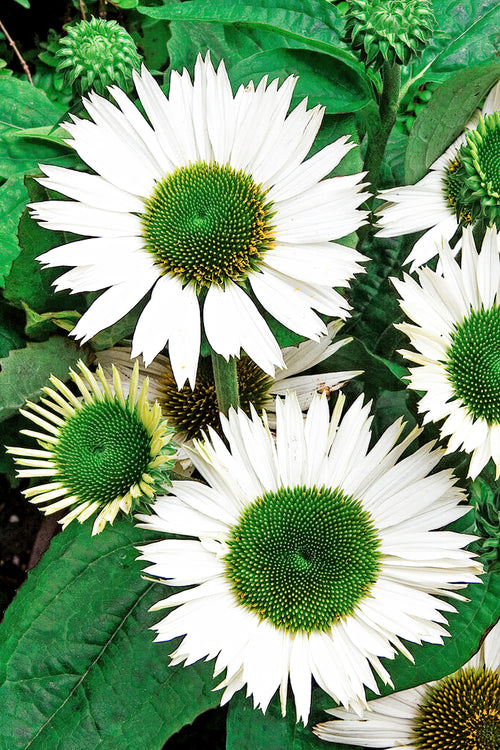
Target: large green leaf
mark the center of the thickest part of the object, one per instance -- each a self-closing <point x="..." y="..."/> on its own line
<point x="445" y="116"/>
<point x="24" y="106"/>
<point x="29" y="284"/>
<point x="79" y="668"/>
<point x="466" y="36"/>
<point x="324" y="79"/>
<point x="313" y="22"/>
<point x="225" y="42"/>
<point x="25" y="371"/>
<point x="12" y="203"/>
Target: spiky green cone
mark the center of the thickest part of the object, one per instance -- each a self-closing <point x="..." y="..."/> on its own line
<point x="96" y="54"/>
<point x="480" y="194"/>
<point x="392" y="31"/>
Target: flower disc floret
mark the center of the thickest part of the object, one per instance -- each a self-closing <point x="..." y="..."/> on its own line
<point x="98" y="53"/>
<point x="473" y="363"/>
<point x="461" y="712"/>
<point x="302" y="557"/>
<point x="208" y="224"/>
<point x="393" y="31"/>
<point x="101" y="449"/>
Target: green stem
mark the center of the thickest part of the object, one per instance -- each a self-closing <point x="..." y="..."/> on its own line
<point x="379" y="128"/>
<point x="226" y="382"/>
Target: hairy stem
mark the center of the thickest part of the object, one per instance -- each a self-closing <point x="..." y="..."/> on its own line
<point x="379" y="129"/>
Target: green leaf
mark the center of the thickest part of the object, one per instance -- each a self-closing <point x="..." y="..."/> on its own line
<point x="466" y="36"/>
<point x="47" y="133"/>
<point x="13" y="197"/>
<point x="313" y="22"/>
<point x="229" y="43"/>
<point x="250" y="729"/>
<point x="24" y="106"/>
<point x="445" y="116"/>
<point x="10" y="329"/>
<point x="378" y="372"/>
<point x="324" y="79"/>
<point x="152" y="37"/>
<point x="29" y="284"/>
<point x="40" y="326"/>
<point x="120" y="330"/>
<point x="127" y="4"/>
<point x="24" y="3"/>
<point x="22" y="109"/>
<point x="25" y="371"/>
<point x="79" y="668"/>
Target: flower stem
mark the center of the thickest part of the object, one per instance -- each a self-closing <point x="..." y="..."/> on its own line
<point x="226" y="382"/>
<point x="379" y="128"/>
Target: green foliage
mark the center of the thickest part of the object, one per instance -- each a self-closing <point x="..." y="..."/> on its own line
<point x="485" y="499"/>
<point x="78" y="666"/>
<point x="312" y="22"/>
<point x="25" y="371"/>
<point x="250" y="729"/>
<point x="12" y="204"/>
<point x="78" y="661"/>
<point x="21" y="107"/>
<point x="29" y="284"/>
<point x="24" y="106"/>
<point x="445" y="116"/>
<point x="466" y="37"/>
<point x="231" y="43"/>
<point x="324" y="79"/>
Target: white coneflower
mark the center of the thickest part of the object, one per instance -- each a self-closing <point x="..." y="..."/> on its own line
<point x="460" y="712"/>
<point x="457" y="340"/>
<point x="432" y="202"/>
<point x="102" y="450"/>
<point x="211" y="207"/>
<point x="310" y="556"/>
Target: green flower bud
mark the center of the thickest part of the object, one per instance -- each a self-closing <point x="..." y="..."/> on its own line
<point x="486" y="504"/>
<point x="96" y="54"/>
<point x="393" y="31"/>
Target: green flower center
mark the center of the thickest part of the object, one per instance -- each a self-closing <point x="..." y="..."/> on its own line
<point x="303" y="557"/>
<point x="481" y="160"/>
<point x="473" y="364"/>
<point x="487" y="154"/>
<point x="462" y="712"/>
<point x="191" y="411"/>
<point x="208" y="223"/>
<point x="102" y="451"/>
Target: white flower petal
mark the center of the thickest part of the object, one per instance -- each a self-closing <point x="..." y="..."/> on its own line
<point x="172" y="315"/>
